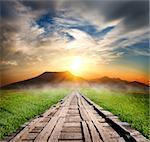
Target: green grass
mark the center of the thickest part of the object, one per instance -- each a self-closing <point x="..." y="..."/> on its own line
<point x="132" y="108"/>
<point x="17" y="107"/>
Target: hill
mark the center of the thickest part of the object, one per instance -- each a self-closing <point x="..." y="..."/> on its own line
<point x="46" y="79"/>
<point x="119" y="84"/>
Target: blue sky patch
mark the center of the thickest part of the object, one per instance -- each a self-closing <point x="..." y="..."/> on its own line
<point x="66" y="35"/>
<point x="45" y="19"/>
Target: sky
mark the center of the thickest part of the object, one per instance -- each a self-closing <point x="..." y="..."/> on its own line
<point x="90" y="38"/>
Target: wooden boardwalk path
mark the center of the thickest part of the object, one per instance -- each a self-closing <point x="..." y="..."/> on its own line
<point x="77" y="119"/>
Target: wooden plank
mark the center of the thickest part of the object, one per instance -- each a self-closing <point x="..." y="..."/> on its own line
<point x="30" y="136"/>
<point x="73" y="119"/>
<point x="71" y="129"/>
<point x="73" y="124"/>
<point x="105" y="124"/>
<point x="43" y="136"/>
<point x="86" y="133"/>
<point x="72" y="115"/>
<point x="57" y="131"/>
<point x="68" y="102"/>
<point x="71" y="136"/>
<point x="73" y="107"/>
<point x="58" y="112"/>
<point x="94" y="133"/>
<point x="46" y="119"/>
<point x="64" y="108"/>
<point x="104" y="135"/>
<point x="84" y="114"/>
<point x="101" y="120"/>
<point x="73" y="111"/>
<point x="79" y="101"/>
<point x="46" y="132"/>
<point x="63" y="112"/>
<point x="70" y="140"/>
<point x="25" y="131"/>
<point x="27" y="140"/>
<point x="40" y="124"/>
<point x="111" y="132"/>
<point x="37" y="130"/>
<point x="49" y="111"/>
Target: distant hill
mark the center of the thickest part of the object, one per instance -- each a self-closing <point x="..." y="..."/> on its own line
<point x="119" y="84"/>
<point x="46" y="79"/>
<point x="54" y="79"/>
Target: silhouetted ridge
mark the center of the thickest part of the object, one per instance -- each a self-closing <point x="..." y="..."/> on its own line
<point x="46" y="78"/>
<point x="119" y="84"/>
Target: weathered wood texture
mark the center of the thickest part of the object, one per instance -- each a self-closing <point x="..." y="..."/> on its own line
<point x="77" y="119"/>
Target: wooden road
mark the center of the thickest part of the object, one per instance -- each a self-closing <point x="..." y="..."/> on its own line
<point x="77" y="119"/>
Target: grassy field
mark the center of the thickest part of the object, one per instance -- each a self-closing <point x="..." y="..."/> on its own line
<point x="132" y="108"/>
<point x="17" y="107"/>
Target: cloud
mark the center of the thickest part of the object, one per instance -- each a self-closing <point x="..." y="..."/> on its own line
<point x="41" y="31"/>
<point x="19" y="33"/>
<point x="11" y="13"/>
<point x="115" y="40"/>
<point x="40" y="5"/>
<point x="9" y="63"/>
<point x="133" y="14"/>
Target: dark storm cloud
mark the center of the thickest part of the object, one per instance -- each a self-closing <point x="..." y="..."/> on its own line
<point x="9" y="18"/>
<point x="8" y="10"/>
<point x="39" y="5"/>
<point x="135" y="14"/>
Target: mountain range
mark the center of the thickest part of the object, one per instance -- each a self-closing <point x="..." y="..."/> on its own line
<point x="51" y="79"/>
<point x="119" y="84"/>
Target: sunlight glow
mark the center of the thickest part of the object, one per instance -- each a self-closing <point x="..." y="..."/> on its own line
<point x="76" y="65"/>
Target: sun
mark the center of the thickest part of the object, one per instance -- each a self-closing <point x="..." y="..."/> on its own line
<point x="76" y="66"/>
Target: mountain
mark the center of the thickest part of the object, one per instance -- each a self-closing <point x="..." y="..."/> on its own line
<point x="46" y="79"/>
<point x="54" y="79"/>
<point x="119" y="84"/>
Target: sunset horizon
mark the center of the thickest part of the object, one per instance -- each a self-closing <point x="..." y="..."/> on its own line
<point x="85" y="39"/>
<point x="86" y="77"/>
